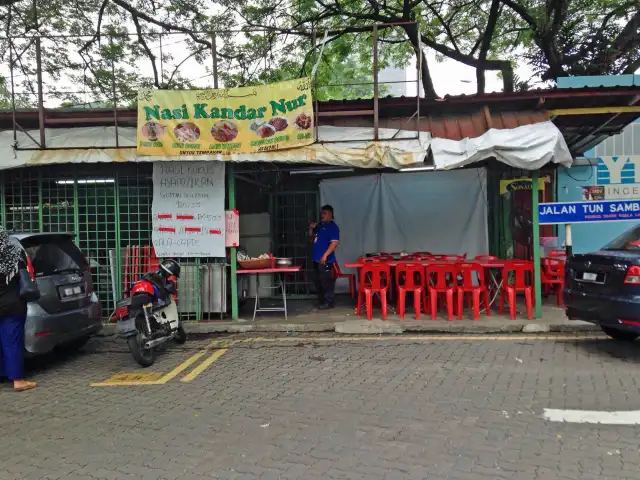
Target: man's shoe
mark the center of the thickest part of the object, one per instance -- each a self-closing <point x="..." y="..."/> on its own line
<point x="325" y="306"/>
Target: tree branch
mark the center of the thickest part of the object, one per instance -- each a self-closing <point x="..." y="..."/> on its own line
<point x="148" y="51"/>
<point x="494" y="13"/>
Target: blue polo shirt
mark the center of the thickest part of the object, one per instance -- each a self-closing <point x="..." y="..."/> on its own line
<point x="324" y="234"/>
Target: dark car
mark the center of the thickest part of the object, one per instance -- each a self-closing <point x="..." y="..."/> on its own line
<point x="68" y="311"/>
<point x="603" y="287"/>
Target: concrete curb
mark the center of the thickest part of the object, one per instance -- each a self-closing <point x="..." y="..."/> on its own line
<point x="377" y="327"/>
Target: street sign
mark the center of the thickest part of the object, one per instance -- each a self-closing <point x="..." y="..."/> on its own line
<point x="583" y="212"/>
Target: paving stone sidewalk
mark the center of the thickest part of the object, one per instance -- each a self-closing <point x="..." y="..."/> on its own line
<point x="305" y="408"/>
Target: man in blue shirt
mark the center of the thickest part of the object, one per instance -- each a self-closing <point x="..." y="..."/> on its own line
<point x="325" y="237"/>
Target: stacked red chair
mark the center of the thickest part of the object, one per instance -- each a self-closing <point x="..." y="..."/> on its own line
<point x="520" y="281"/>
<point x="441" y="287"/>
<point x="411" y="278"/>
<point x="473" y="284"/>
<point x="375" y="278"/>
<point x="337" y="273"/>
<point x="552" y="276"/>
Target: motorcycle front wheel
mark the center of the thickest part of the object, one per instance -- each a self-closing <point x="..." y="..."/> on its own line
<point x="144" y="356"/>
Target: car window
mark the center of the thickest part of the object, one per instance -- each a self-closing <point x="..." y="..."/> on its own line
<point x="51" y="255"/>
<point x="629" y="240"/>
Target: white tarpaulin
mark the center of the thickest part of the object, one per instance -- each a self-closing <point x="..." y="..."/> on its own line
<point x="188" y="209"/>
<point x="349" y="146"/>
<point x="437" y="212"/>
<point x="529" y="147"/>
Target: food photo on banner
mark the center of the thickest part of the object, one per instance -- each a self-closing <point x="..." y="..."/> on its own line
<point x="228" y="120"/>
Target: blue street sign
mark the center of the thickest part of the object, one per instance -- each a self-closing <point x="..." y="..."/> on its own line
<point x="582" y="212"/>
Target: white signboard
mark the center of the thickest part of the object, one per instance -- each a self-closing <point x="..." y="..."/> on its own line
<point x="188" y="209"/>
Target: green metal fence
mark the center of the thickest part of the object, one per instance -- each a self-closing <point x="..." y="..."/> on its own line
<point x="108" y="209"/>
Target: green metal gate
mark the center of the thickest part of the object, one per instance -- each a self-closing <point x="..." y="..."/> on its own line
<point x="108" y="209"/>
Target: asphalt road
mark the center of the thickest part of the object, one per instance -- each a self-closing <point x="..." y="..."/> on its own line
<point x="327" y="408"/>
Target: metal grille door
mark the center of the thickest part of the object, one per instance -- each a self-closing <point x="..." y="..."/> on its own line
<point x="292" y="213"/>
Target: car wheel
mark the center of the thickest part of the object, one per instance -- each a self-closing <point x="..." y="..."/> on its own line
<point x="620" y="335"/>
<point x="73" y="346"/>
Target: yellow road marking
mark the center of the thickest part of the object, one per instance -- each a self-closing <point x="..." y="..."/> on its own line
<point x="131" y="379"/>
<point x="182" y="367"/>
<point x="203" y="366"/>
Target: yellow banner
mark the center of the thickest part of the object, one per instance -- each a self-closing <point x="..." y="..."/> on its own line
<point x="224" y="121"/>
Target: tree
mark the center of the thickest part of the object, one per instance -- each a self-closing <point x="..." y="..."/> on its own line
<point x="579" y="37"/>
<point x="88" y="45"/>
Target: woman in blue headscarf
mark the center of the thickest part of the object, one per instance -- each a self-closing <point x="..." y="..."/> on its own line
<point x="13" y="312"/>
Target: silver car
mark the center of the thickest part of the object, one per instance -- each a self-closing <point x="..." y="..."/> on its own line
<point x="68" y="311"/>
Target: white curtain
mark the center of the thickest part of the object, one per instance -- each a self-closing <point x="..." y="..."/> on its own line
<point x="438" y="212"/>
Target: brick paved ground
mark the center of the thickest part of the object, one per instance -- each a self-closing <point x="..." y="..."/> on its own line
<point x="393" y="409"/>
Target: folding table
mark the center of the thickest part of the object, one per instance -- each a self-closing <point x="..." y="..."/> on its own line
<point x="281" y="285"/>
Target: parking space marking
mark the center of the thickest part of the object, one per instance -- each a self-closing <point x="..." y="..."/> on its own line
<point x="138" y="378"/>
<point x="182" y="367"/>
<point x="203" y="366"/>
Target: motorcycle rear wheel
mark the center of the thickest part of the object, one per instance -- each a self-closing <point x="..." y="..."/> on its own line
<point x="144" y="356"/>
<point x="181" y="335"/>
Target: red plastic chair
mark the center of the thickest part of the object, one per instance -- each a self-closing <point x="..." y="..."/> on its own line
<point x="440" y="284"/>
<point x="472" y="273"/>
<point x="337" y="273"/>
<point x="552" y="276"/>
<point x="522" y="282"/>
<point x="484" y="258"/>
<point x="449" y="258"/>
<point x="374" y="278"/>
<point x="411" y="278"/>
<point x="557" y="254"/>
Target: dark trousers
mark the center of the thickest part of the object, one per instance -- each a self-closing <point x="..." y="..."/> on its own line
<point x="12" y="346"/>
<point x="325" y="282"/>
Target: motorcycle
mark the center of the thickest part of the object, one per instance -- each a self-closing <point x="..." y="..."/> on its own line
<point x="147" y="318"/>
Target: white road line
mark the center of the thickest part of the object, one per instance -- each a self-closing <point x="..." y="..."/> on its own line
<point x="630" y="417"/>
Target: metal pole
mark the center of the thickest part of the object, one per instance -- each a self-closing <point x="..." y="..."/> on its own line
<point x="40" y="93"/>
<point x="535" y="236"/>
<point x="231" y="204"/>
<point x="76" y="212"/>
<point x="214" y="56"/>
<point x="568" y="240"/>
<point x="118" y="251"/>
<point x="3" y="205"/>
<point x="40" y="206"/>
<point x="115" y="100"/>
<point x="13" y="92"/>
<point x="374" y="37"/>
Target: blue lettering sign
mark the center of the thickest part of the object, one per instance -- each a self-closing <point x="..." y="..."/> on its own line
<point x="582" y="212"/>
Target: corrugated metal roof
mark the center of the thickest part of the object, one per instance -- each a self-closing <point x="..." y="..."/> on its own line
<point x="453" y="117"/>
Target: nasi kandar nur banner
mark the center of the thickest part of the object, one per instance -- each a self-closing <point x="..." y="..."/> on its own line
<point x="228" y="120"/>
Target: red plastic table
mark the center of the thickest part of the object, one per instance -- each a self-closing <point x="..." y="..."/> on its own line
<point x="281" y="284"/>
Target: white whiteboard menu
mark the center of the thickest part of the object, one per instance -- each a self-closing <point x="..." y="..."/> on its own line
<point x="188" y="209"/>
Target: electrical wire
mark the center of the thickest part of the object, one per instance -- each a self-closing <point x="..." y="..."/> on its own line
<point x="583" y="179"/>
